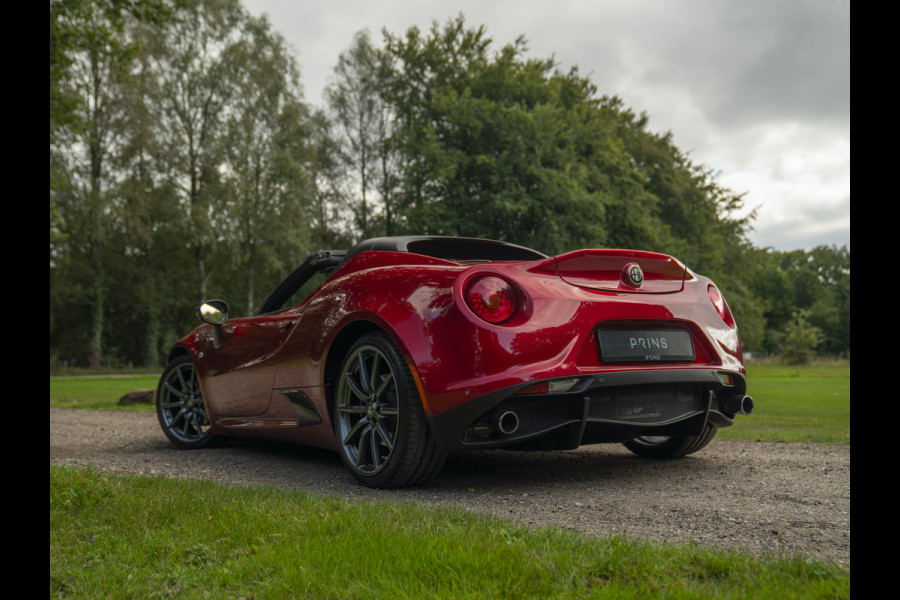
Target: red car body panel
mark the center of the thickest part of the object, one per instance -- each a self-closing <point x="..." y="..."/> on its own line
<point x="254" y="366"/>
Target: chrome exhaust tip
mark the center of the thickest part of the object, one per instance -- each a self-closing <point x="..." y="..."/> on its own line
<point x="503" y="421"/>
<point x="737" y="405"/>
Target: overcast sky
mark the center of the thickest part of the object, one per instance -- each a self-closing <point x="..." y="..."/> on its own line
<point x="757" y="90"/>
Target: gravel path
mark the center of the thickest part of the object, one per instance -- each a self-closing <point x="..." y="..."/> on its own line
<point x="758" y="497"/>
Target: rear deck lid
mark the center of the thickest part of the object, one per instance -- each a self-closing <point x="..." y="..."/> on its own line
<point x="622" y="271"/>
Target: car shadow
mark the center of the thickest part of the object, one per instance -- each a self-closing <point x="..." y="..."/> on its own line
<point x="596" y="466"/>
<point x="601" y="464"/>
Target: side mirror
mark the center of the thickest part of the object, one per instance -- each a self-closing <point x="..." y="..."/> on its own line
<point x="214" y="312"/>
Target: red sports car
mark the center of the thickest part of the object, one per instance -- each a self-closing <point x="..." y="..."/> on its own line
<point x="402" y="349"/>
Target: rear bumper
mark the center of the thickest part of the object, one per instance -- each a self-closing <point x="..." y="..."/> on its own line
<point x="603" y="407"/>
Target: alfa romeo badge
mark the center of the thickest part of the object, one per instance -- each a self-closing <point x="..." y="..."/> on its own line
<point x="633" y="275"/>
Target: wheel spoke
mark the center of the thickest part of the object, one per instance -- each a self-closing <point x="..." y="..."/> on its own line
<point x="184" y="385"/>
<point x="179" y="403"/>
<point x="388" y="379"/>
<point x="172" y="390"/>
<point x="359" y="425"/>
<point x="361" y="446"/>
<point x="352" y="409"/>
<point x="179" y="415"/>
<point x="363" y="374"/>
<point x="389" y="411"/>
<point x="374" y="373"/>
<point x="384" y="436"/>
<point x="195" y="418"/>
<point x="376" y="454"/>
<point x="355" y="387"/>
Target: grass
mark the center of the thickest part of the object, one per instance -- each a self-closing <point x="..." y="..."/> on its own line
<point x="101" y="392"/>
<point x="809" y="404"/>
<point x="151" y="537"/>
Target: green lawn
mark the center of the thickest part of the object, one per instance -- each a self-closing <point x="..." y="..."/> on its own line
<point x="149" y="537"/>
<point x="98" y="392"/>
<point x="809" y="404"/>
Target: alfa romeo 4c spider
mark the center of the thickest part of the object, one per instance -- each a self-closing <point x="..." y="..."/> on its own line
<point x="402" y="349"/>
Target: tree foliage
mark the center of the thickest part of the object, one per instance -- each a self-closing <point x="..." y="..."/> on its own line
<point x="184" y="164"/>
<point x="800" y="339"/>
<point x="493" y="145"/>
<point x="90" y="62"/>
<point x="816" y="283"/>
<point x="180" y="168"/>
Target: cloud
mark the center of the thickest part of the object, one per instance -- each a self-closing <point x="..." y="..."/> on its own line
<point x="796" y="174"/>
<point x="757" y="90"/>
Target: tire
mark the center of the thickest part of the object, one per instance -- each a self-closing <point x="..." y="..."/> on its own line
<point x="675" y="446"/>
<point x="180" y="409"/>
<point x="380" y="425"/>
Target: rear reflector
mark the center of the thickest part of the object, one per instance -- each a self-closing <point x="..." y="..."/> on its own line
<point x="542" y="387"/>
<point x="553" y="386"/>
<point x="562" y="385"/>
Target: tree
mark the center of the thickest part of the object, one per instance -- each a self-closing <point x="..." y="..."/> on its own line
<point x="265" y="147"/>
<point x="500" y="145"/>
<point x="800" y="339"/>
<point x="89" y="63"/>
<point x="830" y="309"/>
<point x="491" y="144"/>
<point x="201" y="144"/>
<point x="356" y="99"/>
<point x="330" y="225"/>
<point x="197" y="76"/>
<point x="816" y="282"/>
<point x="65" y="23"/>
<point x="145" y="206"/>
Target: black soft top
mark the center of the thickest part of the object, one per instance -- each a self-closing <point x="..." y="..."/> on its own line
<point x="447" y="248"/>
<point x="443" y="247"/>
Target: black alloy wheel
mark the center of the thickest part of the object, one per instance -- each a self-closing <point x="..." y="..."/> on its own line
<point x="379" y="422"/>
<point x="179" y="406"/>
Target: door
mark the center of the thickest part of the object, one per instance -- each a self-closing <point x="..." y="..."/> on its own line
<point x="240" y="369"/>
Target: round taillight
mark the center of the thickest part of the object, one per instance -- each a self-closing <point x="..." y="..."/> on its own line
<point x="715" y="296"/>
<point x="492" y="299"/>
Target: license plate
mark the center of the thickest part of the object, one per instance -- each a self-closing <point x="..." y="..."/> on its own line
<point x="644" y="345"/>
